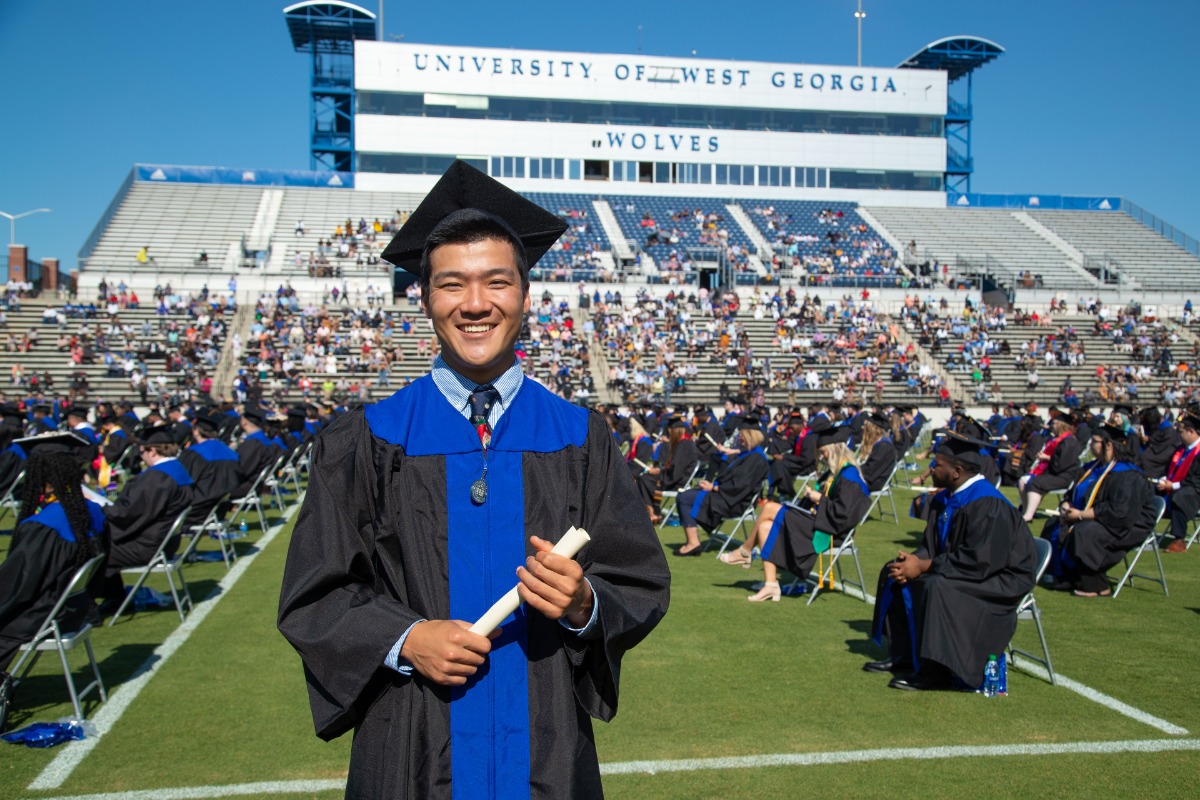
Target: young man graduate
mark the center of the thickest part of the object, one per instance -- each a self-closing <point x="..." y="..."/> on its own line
<point x="424" y="509"/>
<point x="953" y="602"/>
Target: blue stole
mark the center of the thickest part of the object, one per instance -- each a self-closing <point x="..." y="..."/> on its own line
<point x="20" y="451"/>
<point x="175" y="471"/>
<point x="213" y="450"/>
<point x="54" y="517"/>
<point x="259" y="436"/>
<point x="489" y="716"/>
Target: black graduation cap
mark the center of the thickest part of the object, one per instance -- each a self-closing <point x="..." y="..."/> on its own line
<point x="209" y="422"/>
<point x="462" y="193"/>
<point x="48" y="444"/>
<point x="748" y="424"/>
<point x="45" y="408"/>
<point x="819" y="424"/>
<point x="1123" y="408"/>
<point x="78" y="411"/>
<point x="1190" y="420"/>
<point x="297" y="412"/>
<point x="677" y="422"/>
<point x="11" y="410"/>
<point x="157" y="434"/>
<point x="1110" y="433"/>
<point x="961" y="448"/>
<point x="835" y="436"/>
<point x="796" y="416"/>
<point x="882" y="420"/>
<point x="254" y="414"/>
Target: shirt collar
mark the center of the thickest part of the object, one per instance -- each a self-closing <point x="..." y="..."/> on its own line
<point x="974" y="479"/>
<point x="457" y="388"/>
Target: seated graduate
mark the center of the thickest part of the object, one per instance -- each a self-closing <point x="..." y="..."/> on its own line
<point x="640" y="456"/>
<point x="1023" y="447"/>
<point x="1181" y="484"/>
<point x="12" y="455"/>
<point x="1056" y="466"/>
<point x="57" y="532"/>
<point x="800" y="455"/>
<point x="968" y="428"/>
<point x="792" y="537"/>
<point x="144" y="511"/>
<point x="679" y="458"/>
<point x="1109" y="511"/>
<point x="950" y="604"/>
<point x="214" y="467"/>
<point x="736" y="486"/>
<point x="877" y="452"/>
<point x="256" y="452"/>
<point x="1160" y="440"/>
<point x="708" y="437"/>
<point x="114" y="442"/>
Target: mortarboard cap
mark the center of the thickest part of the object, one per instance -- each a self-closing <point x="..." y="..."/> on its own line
<point x="1123" y="408"/>
<point x="834" y="436"/>
<point x="48" y="444"/>
<point x="254" y="414"/>
<point x="748" y="424"/>
<point x="1191" y="421"/>
<point x="961" y="448"/>
<point x="464" y="193"/>
<point x="209" y="423"/>
<point x="157" y="434"/>
<point x="1110" y="433"/>
<point x="676" y="422"/>
<point x="819" y="425"/>
<point x="880" y="420"/>
<point x="11" y="410"/>
<point x="297" y="412"/>
<point x="78" y="411"/>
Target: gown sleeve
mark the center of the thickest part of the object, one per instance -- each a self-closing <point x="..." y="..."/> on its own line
<point x="983" y="542"/>
<point x="141" y="504"/>
<point x="627" y="569"/>
<point x="1123" y="503"/>
<point x="33" y="563"/>
<point x="334" y="607"/>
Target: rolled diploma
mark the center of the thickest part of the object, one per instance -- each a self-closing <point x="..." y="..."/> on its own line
<point x="569" y="545"/>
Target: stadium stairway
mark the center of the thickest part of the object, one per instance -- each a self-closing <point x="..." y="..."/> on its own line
<point x="739" y="215"/>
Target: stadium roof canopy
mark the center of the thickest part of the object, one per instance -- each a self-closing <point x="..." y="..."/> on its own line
<point x="327" y="21"/>
<point x="956" y="55"/>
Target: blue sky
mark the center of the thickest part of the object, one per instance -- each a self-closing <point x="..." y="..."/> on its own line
<point x="1095" y="97"/>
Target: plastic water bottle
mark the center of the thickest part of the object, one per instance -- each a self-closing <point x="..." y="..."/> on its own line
<point x="242" y="527"/>
<point x="991" y="678"/>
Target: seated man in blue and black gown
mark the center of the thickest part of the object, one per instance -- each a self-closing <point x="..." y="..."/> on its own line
<point x="950" y="604"/>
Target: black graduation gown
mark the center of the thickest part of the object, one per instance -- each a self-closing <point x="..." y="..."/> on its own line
<point x="144" y="512"/>
<point x="35" y="573"/>
<point x="255" y="454"/>
<point x="643" y="451"/>
<point x="878" y="466"/>
<point x="388" y="536"/>
<point x="215" y="470"/>
<point x="12" y="461"/>
<point x="713" y="429"/>
<point x="790" y="543"/>
<point x="114" y="445"/>
<point x="1062" y="469"/>
<point x="738" y="482"/>
<point x="1124" y="509"/>
<point x="1185" y="501"/>
<point x="965" y="606"/>
<point x="683" y="461"/>
<point x="1156" y="455"/>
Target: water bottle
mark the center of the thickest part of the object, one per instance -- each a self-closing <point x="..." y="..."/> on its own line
<point x="991" y="678"/>
<point x="242" y="528"/>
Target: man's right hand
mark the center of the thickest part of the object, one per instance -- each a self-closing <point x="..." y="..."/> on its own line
<point x="445" y="651"/>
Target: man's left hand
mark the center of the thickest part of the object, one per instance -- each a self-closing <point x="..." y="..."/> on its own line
<point x="554" y="585"/>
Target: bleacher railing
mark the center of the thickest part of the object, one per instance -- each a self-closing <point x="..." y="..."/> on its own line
<point x="1162" y="228"/>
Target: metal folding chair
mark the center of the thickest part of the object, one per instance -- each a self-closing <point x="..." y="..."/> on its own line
<point x="673" y="496"/>
<point x="805" y="480"/>
<point x="1028" y="609"/>
<point x="847" y="547"/>
<point x="50" y="636"/>
<point x="1151" y="543"/>
<point x="212" y="525"/>
<point x="251" y="500"/>
<point x="159" y="563"/>
<point x="886" y="491"/>
<point x="9" y="500"/>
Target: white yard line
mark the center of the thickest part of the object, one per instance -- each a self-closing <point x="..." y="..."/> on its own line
<point x="696" y="764"/>
<point x="58" y="770"/>
<point x="1104" y="700"/>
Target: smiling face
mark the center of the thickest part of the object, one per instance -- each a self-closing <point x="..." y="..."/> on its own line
<point x="476" y="302"/>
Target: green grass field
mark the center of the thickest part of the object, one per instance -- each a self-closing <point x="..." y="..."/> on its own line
<point x="719" y="678"/>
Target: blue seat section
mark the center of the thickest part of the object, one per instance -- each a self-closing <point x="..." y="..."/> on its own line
<point x="829" y="239"/>
<point x="584" y="234"/>
<point x="679" y="223"/>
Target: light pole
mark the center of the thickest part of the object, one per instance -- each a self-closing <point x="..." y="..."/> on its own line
<point x="860" y="15"/>
<point x="12" y="221"/>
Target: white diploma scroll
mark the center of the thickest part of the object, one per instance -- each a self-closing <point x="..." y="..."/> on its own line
<point x="569" y="545"/>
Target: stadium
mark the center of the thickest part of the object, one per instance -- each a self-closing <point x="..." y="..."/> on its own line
<point x="761" y="238"/>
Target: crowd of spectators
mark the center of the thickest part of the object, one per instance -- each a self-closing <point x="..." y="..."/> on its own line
<point x="842" y="247"/>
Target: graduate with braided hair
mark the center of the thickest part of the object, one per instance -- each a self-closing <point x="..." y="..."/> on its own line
<point x="57" y="532"/>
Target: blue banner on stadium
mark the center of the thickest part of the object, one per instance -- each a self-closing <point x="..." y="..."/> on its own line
<point x="157" y="173"/>
<point x="1033" y="201"/>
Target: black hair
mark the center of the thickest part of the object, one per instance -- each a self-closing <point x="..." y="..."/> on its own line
<point x="64" y="475"/>
<point x="469" y="229"/>
<point x="1122" y="451"/>
<point x="1151" y="418"/>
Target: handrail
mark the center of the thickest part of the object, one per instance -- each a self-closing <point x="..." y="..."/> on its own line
<point x="1161" y="227"/>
